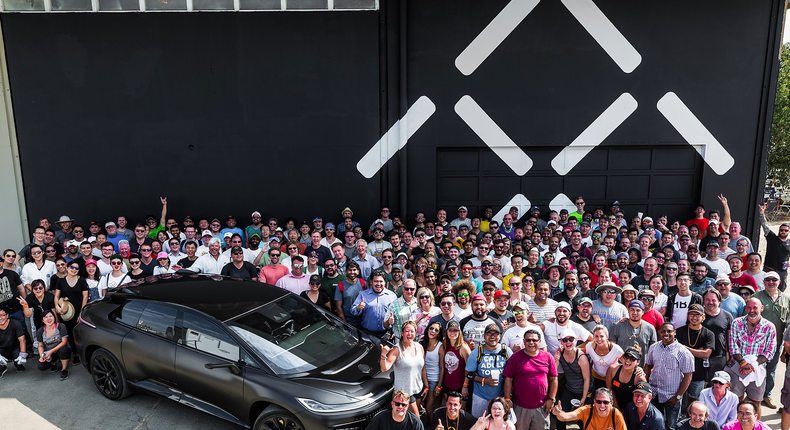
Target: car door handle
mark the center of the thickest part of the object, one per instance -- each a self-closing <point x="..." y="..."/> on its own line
<point x="232" y="366"/>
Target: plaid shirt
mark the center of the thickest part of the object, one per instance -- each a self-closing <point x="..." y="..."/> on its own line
<point x="401" y="311"/>
<point x="761" y="342"/>
<point x="670" y="363"/>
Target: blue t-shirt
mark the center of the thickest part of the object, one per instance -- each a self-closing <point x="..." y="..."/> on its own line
<point x="734" y="304"/>
<point x="234" y="230"/>
<point x="348" y="296"/>
<point x="492" y="360"/>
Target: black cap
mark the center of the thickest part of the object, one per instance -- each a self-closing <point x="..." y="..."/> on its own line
<point x="644" y="388"/>
<point x="697" y="308"/>
<point x="493" y="327"/>
<point x="454" y="325"/>
<point x="315" y="279"/>
<point x="633" y="353"/>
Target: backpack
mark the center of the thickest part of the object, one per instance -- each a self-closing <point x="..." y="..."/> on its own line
<point x="361" y="281"/>
<point x="502" y="352"/>
<point x="589" y="418"/>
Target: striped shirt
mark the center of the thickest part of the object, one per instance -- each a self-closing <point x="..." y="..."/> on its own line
<point x="542" y="313"/>
<point x="670" y="363"/>
<point x="761" y="342"/>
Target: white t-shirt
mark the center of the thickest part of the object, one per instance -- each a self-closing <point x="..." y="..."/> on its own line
<point x="601" y="364"/>
<point x="719" y="266"/>
<point x="325" y="243"/>
<point x="660" y="302"/>
<point x="542" y="313"/>
<point x="553" y="331"/>
<point x="105" y="268"/>
<point x="110" y="281"/>
<point x="494" y="279"/>
<point x="515" y="334"/>
<point x="680" y="312"/>
<point x="30" y="272"/>
<point x="462" y="313"/>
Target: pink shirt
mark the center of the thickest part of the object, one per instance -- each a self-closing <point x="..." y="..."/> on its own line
<point x="271" y="275"/>
<point x="530" y="377"/>
<point x="293" y="284"/>
<point x="736" y="425"/>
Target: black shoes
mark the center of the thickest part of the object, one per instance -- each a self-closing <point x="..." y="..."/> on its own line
<point x="64" y="375"/>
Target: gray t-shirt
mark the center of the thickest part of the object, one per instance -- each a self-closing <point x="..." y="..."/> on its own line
<point x="347" y="296"/>
<point x="625" y="335"/>
<point x="610" y="315"/>
<point x="51" y="341"/>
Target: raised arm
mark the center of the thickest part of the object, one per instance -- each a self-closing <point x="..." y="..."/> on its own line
<point x="726" y="220"/>
<point x="163" y="218"/>
<point x="763" y="222"/>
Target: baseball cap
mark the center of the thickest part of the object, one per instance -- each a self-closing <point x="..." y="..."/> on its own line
<point x="521" y="305"/>
<point x="207" y="233"/>
<point x="636" y="304"/>
<point x="397" y="266"/>
<point x="696" y="307"/>
<point x="256" y="213"/>
<point x="645" y="388"/>
<point x="236" y="249"/>
<point x="501" y="293"/>
<point x="453" y="325"/>
<point x="565" y="305"/>
<point x="478" y="297"/>
<point x="772" y="274"/>
<point x="109" y="224"/>
<point x="633" y="353"/>
<point x="721" y="376"/>
<point x="585" y="300"/>
<point x="712" y="243"/>
<point x="315" y="279"/>
<point x="493" y="327"/>
<point x="162" y="255"/>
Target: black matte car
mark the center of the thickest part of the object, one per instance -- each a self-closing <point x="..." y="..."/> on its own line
<point x="247" y="352"/>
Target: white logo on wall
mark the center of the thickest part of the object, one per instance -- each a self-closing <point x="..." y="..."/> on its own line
<point x="613" y="43"/>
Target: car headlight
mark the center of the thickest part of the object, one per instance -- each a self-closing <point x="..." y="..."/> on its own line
<point x="352" y="404"/>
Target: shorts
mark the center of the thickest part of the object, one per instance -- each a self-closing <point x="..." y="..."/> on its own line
<point x="753" y="391"/>
<point x="531" y="418"/>
<point x="432" y="385"/>
<point x="785" y="399"/>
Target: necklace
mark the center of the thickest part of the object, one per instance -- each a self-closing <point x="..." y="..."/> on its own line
<point x="636" y="334"/>
<point x="688" y="333"/>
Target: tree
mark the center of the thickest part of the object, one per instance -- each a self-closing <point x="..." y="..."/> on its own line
<point x="779" y="150"/>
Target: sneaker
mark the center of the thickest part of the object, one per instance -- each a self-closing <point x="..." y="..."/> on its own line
<point x="767" y="402"/>
<point x="19" y="367"/>
<point x="3" y="371"/>
<point x="54" y="367"/>
<point x="76" y="359"/>
<point x="64" y="375"/>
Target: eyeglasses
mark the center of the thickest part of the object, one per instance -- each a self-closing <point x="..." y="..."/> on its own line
<point x="460" y="294"/>
<point x="568" y="339"/>
<point x="602" y="402"/>
<point x="492" y="333"/>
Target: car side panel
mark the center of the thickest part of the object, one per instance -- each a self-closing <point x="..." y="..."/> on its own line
<point x="146" y="356"/>
<point x="218" y="386"/>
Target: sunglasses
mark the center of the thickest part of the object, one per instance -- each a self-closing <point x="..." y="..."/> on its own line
<point x="145" y="250"/>
<point x="400" y="404"/>
<point x="424" y="297"/>
<point x="74" y="267"/>
<point x="434" y="329"/>
<point x="446" y="304"/>
<point x="38" y="288"/>
<point x="79" y="231"/>
<point x="298" y="265"/>
<point x="116" y="263"/>
<point x="647" y="299"/>
<point x="609" y="292"/>
<point x="462" y="294"/>
<point x="568" y="339"/>
<point x="488" y="289"/>
<point x="134" y="261"/>
<point x="519" y="313"/>
<point x="602" y="402"/>
<point x="10" y="256"/>
<point x="237" y="253"/>
<point x="408" y="289"/>
<point x="531" y="340"/>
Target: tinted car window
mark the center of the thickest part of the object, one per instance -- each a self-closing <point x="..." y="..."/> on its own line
<point x="293" y="336"/>
<point x="159" y="320"/>
<point x="129" y="312"/>
<point x="203" y="335"/>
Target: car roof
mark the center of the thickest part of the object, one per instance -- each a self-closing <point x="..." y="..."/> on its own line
<point x="220" y="297"/>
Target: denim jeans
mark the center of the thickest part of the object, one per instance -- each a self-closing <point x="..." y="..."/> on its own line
<point x="670" y="415"/>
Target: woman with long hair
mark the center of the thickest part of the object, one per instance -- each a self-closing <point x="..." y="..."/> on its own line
<point x="9" y="261"/>
<point x="426" y="310"/>
<point x="60" y="266"/>
<point x="694" y="234"/>
<point x="408" y="361"/>
<point x="419" y="274"/>
<point x="91" y="274"/>
<point x="603" y="353"/>
<point x="431" y="343"/>
<point x="74" y="289"/>
<point x="452" y="360"/>
<point x="576" y="366"/>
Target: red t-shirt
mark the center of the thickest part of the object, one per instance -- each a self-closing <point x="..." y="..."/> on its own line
<point x="271" y="275"/>
<point x="653" y="318"/>
<point x="530" y="377"/>
<point x="744" y="279"/>
<point x="701" y="223"/>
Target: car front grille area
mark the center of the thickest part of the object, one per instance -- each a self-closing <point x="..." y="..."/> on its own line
<point x="361" y="423"/>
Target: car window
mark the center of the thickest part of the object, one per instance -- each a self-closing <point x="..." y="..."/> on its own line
<point x="291" y="335"/>
<point x="204" y="335"/>
<point x="129" y="312"/>
<point x="159" y="320"/>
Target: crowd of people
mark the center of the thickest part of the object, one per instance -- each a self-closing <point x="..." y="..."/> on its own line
<point x="531" y="322"/>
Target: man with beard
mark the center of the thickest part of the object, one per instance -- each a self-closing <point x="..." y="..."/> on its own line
<point x="561" y="322"/>
<point x="541" y="308"/>
<point x="752" y="336"/>
<point x="396" y="283"/>
<point x="451" y="416"/>
<point x="474" y="326"/>
<point x="669" y="367"/>
<point x="486" y="268"/>
<point x="486" y="364"/>
<point x="737" y="276"/>
<point x="330" y="281"/>
<point x="634" y="332"/>
<point x="584" y="317"/>
<point x="514" y="334"/>
<point x="718" y="321"/>
<point x="571" y="293"/>
<point x="463" y="290"/>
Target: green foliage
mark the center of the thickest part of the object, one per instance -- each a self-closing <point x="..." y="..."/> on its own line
<point x="779" y="150"/>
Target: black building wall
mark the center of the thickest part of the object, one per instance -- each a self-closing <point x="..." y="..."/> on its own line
<point x="234" y="112"/>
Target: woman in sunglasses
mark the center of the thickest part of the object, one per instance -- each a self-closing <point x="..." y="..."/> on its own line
<point x="576" y="365"/>
<point x="51" y="253"/>
<point x="408" y="361"/>
<point x="91" y="274"/>
<point x="419" y="275"/>
<point x="623" y="376"/>
<point x="136" y="264"/>
<point x="426" y="310"/>
<point x="431" y="343"/>
<point x="117" y="276"/>
<point x="9" y="262"/>
<point x="74" y="288"/>
<point x="37" y="303"/>
<point x="39" y="268"/>
<point x="60" y="267"/>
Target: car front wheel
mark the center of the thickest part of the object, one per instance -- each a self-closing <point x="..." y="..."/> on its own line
<point x="276" y="418"/>
<point x="108" y="375"/>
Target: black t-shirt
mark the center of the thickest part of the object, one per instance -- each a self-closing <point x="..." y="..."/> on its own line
<point x="465" y="420"/>
<point x="720" y="326"/>
<point x="700" y="339"/>
<point x="38" y="307"/>
<point x="9" y="291"/>
<point x="708" y="425"/>
<point x="74" y="294"/>
<point x="135" y="247"/>
<point x="148" y="269"/>
<point x="323" y="253"/>
<point x="139" y="275"/>
<point x="588" y="325"/>
<point x="322" y="298"/>
<point x="776" y="252"/>
<point x="247" y="271"/>
<point x="383" y="421"/>
<point x="186" y="263"/>
<point x="9" y="338"/>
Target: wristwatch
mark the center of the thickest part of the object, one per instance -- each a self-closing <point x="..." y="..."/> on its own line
<point x="679" y="397"/>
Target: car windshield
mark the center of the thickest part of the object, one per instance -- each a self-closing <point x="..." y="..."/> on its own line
<point x="293" y="336"/>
